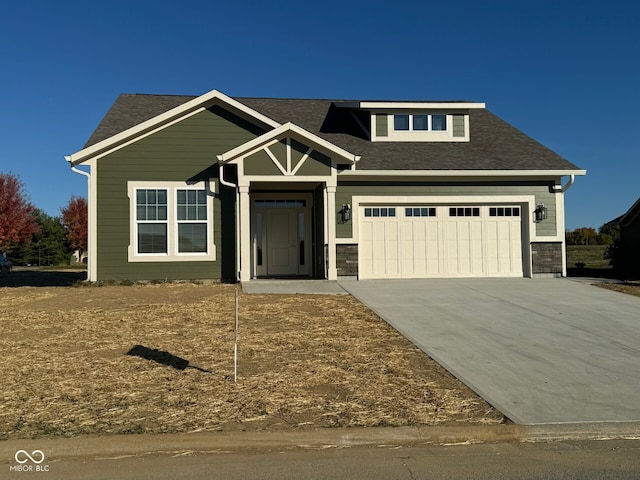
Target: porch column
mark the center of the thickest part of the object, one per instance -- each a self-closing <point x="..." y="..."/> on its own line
<point x="332" y="273"/>
<point x="245" y="234"/>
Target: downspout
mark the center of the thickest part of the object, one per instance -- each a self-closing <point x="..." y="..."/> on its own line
<point x="89" y="253"/>
<point x="237" y="189"/>
<point x="567" y="186"/>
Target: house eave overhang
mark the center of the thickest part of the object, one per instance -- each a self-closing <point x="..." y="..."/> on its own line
<point x="548" y="174"/>
<point x="192" y="106"/>
<point x="282" y="131"/>
<point x="389" y="105"/>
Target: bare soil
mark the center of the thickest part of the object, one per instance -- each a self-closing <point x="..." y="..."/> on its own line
<point x="630" y="288"/>
<point x="98" y="360"/>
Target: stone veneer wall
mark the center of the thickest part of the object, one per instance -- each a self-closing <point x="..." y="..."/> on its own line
<point x="347" y="260"/>
<point x="547" y="258"/>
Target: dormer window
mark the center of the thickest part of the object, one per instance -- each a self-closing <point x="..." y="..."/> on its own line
<point x="398" y="121"/>
<point x="419" y="122"/>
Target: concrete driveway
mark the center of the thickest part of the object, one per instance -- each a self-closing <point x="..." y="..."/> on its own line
<point x="540" y="350"/>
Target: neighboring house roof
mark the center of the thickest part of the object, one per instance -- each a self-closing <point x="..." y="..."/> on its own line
<point x="628" y="216"/>
<point x="493" y="145"/>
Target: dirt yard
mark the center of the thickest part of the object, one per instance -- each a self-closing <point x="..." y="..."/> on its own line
<point x="630" y="288"/>
<point x="159" y="358"/>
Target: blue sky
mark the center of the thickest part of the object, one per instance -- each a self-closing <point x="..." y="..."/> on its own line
<point x="567" y="73"/>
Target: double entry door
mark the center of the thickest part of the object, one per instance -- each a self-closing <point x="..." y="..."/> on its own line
<point x="281" y="237"/>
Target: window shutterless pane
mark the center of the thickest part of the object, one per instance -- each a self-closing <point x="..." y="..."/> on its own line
<point x="182" y="197"/>
<point x="392" y="212"/>
<point x="182" y="212"/>
<point x="438" y="122"/>
<point x="141" y="213"/>
<point x="161" y="197"/>
<point x="202" y="212"/>
<point x="141" y="197"/>
<point x="476" y="212"/>
<point x="401" y="122"/>
<point x="516" y="212"/>
<point x="420" y="122"/>
<point x="367" y="212"/>
<point x="192" y="238"/>
<point x="152" y="238"/>
<point x="151" y="213"/>
<point x="191" y="196"/>
<point x="202" y="197"/>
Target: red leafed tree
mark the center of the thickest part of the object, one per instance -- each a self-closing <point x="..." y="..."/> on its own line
<point x="74" y="218"/>
<point x="17" y="224"/>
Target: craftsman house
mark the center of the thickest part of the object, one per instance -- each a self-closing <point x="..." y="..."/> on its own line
<point x="214" y="187"/>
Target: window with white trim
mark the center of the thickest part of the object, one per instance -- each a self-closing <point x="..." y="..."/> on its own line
<point x="192" y="221"/>
<point x="419" y="122"/>
<point x="171" y="221"/>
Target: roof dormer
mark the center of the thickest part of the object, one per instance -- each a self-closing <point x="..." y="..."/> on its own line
<point x="417" y="121"/>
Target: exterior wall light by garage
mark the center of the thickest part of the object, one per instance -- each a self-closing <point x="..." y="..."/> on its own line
<point x="346" y="213"/>
<point x="540" y="213"/>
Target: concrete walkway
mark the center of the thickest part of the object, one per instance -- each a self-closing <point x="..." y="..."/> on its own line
<point x="542" y="351"/>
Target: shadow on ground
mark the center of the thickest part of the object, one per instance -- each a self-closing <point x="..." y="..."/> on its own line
<point x="41" y="278"/>
<point x="163" y="358"/>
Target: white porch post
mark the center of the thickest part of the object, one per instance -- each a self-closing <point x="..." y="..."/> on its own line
<point x="330" y="236"/>
<point x="245" y="234"/>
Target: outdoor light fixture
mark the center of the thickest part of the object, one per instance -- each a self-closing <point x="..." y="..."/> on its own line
<point x="346" y="212"/>
<point x="540" y="212"/>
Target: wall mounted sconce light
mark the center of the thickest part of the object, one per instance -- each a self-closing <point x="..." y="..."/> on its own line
<point x="346" y="213"/>
<point x="540" y="213"/>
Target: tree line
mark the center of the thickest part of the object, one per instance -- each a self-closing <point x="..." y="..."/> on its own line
<point x="605" y="235"/>
<point x="29" y="236"/>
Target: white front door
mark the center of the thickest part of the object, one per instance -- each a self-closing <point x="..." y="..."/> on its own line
<point x="281" y="235"/>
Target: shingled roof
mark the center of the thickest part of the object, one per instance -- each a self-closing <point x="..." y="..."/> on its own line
<point x="493" y="145"/>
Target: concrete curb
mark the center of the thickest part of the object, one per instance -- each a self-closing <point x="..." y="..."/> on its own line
<point x="227" y="442"/>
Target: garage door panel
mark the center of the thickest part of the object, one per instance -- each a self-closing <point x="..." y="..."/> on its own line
<point x="420" y="248"/>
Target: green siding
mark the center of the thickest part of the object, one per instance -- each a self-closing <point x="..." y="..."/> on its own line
<point x="346" y="190"/>
<point x="182" y="152"/>
<point x="316" y="164"/>
<point x="458" y="126"/>
<point x="279" y="150"/>
<point x="260" y="163"/>
<point x="298" y="150"/>
<point x="382" y="126"/>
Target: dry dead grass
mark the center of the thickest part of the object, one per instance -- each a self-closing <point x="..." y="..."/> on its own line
<point x="304" y="361"/>
<point x="630" y="288"/>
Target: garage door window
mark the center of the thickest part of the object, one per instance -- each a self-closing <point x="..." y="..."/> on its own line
<point x="379" y="212"/>
<point x="420" y="212"/>
<point x="504" y="212"/>
<point x="464" y="212"/>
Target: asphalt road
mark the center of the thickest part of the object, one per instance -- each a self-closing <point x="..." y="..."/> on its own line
<point x="586" y="460"/>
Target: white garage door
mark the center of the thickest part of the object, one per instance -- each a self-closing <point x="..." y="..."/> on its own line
<point x="442" y="241"/>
